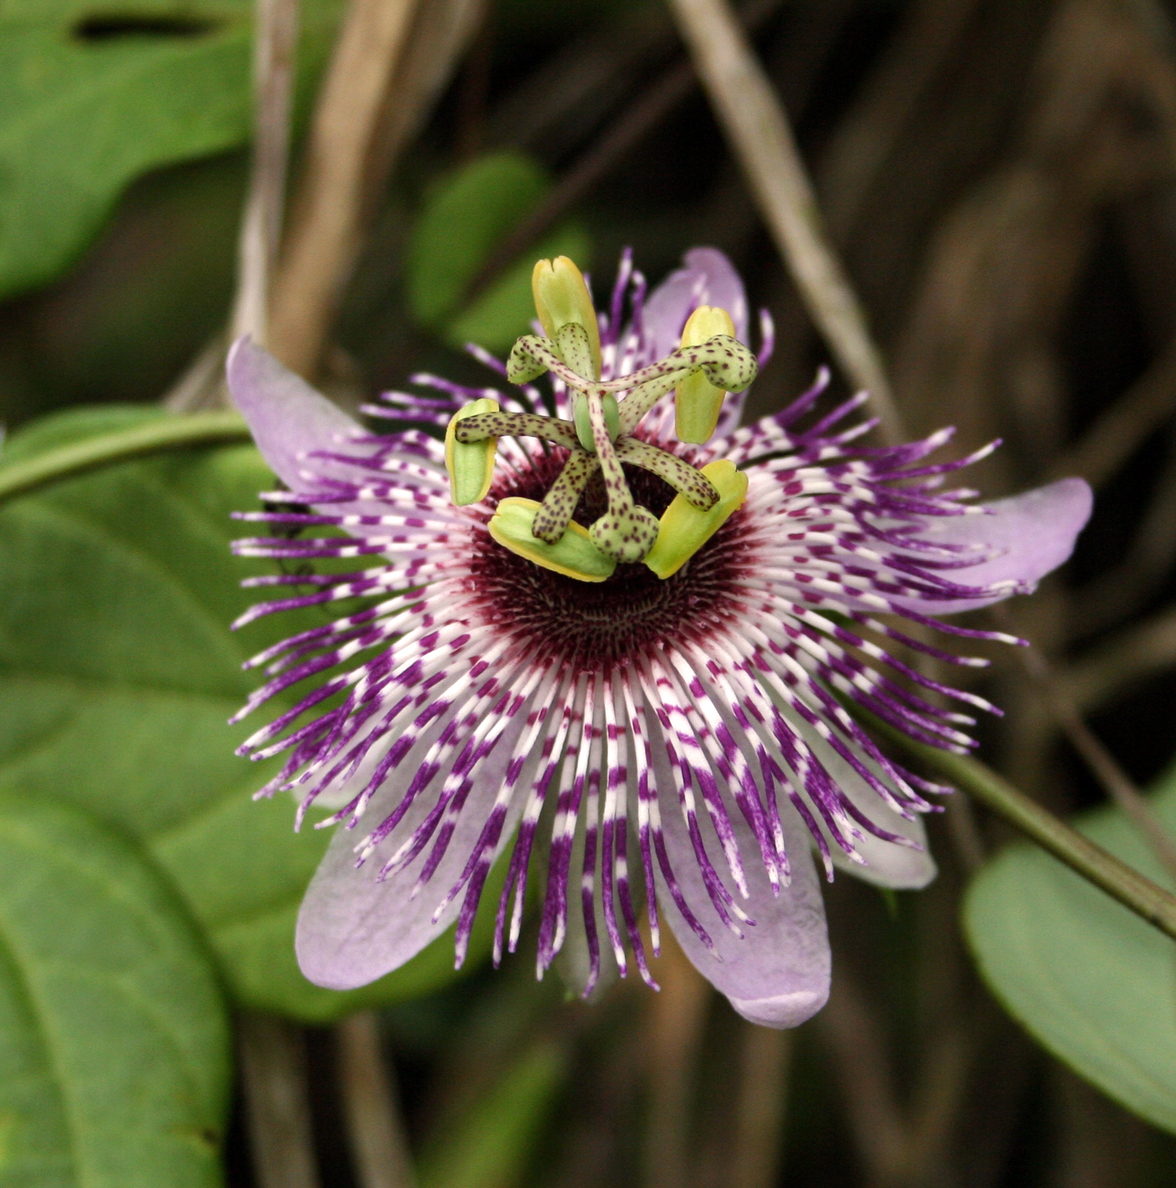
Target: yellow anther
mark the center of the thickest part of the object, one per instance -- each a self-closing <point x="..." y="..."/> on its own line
<point x="561" y="297"/>
<point x="684" y="529"/>
<point x="697" y="402"/>
<point x="573" y="555"/>
<point x="470" y="466"/>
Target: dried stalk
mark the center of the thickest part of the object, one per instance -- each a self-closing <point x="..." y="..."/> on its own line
<point x="867" y="1079"/>
<point x="1123" y="659"/>
<point x="325" y="231"/>
<point x="1119" y="431"/>
<point x="441" y="32"/>
<point x="650" y="108"/>
<point x="275" y="40"/>
<point x="1116" y="593"/>
<point x="273" y="1068"/>
<point x="375" y="1129"/>
<point x="763" y="1094"/>
<point x="755" y="123"/>
<point x="677" y="1016"/>
<point x="890" y="97"/>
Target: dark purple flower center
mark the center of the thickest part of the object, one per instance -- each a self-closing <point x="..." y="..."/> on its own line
<point x="594" y="624"/>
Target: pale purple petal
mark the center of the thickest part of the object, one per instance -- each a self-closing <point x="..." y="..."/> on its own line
<point x="353" y="929"/>
<point x="708" y="278"/>
<point x="778" y="974"/>
<point x="287" y="417"/>
<point x="1034" y="532"/>
<point x="888" y="864"/>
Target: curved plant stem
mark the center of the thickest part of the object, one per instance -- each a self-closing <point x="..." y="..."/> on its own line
<point x="166" y="433"/>
<point x="1120" y="881"/>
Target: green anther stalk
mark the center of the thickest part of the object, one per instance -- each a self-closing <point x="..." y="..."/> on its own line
<point x="697" y="402"/>
<point x="562" y="299"/>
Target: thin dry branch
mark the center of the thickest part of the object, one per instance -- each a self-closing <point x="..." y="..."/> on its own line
<point x="867" y="1079"/>
<point x="1066" y="710"/>
<point x="1122" y="660"/>
<point x="325" y="230"/>
<point x="623" y="134"/>
<point x="273" y="1069"/>
<point x="763" y="1094"/>
<point x="1116" y="593"/>
<point x="273" y="82"/>
<point x="677" y="1016"/>
<point x="1119" y="431"/>
<point x="275" y="40"/>
<point x="378" y="1144"/>
<point x="890" y="97"/>
<point x="758" y="129"/>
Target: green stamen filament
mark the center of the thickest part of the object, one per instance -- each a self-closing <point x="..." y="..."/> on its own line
<point x="555" y="512"/>
<point x="600" y="436"/>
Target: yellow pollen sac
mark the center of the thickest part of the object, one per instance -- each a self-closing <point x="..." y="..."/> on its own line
<point x="561" y="297"/>
<point x="470" y="466"/>
<point x="697" y="402"/>
<point x="574" y="555"/>
<point x="684" y="529"/>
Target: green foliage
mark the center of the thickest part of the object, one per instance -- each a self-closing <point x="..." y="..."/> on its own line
<point x="117" y="674"/>
<point x="1094" y="984"/>
<point x="468" y="214"/>
<point x="90" y="99"/>
<point x="491" y="1144"/>
<point x="114" y="1044"/>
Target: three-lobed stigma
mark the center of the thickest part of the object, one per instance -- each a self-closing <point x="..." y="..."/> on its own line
<point x="708" y="364"/>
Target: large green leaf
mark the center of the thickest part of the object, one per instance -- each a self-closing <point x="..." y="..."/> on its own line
<point x="1091" y="981"/>
<point x="465" y="217"/>
<point x="93" y="95"/>
<point x="114" y="1046"/>
<point x="117" y="674"/>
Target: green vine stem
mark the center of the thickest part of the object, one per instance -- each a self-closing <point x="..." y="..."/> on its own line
<point x="157" y="436"/>
<point x="1122" y="882"/>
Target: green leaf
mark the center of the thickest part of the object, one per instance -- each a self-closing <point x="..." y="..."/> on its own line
<point x="90" y="99"/>
<point x="1091" y="981"/>
<point x="117" y="675"/>
<point x="489" y="1147"/>
<point x="114" y="1043"/>
<point x="467" y="215"/>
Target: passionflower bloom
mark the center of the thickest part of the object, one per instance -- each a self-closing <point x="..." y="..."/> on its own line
<point x="607" y="623"/>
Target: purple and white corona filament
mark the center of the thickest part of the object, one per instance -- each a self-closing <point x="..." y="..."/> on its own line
<point x="678" y="743"/>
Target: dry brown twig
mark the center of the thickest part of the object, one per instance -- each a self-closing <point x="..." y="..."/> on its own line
<point x="1118" y="432"/>
<point x="763" y="1094"/>
<point x="1116" y="593"/>
<point x="378" y="1143"/>
<point x="1123" y="659"/>
<point x="758" y="129"/>
<point x="888" y="100"/>
<point x="1066" y="712"/>
<point x="274" y="44"/>
<point x="652" y="106"/>
<point x="273" y="1068"/>
<point x="677" y="1016"/>
<point x="273" y="71"/>
<point x="324" y="232"/>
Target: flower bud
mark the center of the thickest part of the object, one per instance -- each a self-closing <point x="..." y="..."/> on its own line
<point x="697" y="402"/>
<point x="561" y="297"/>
